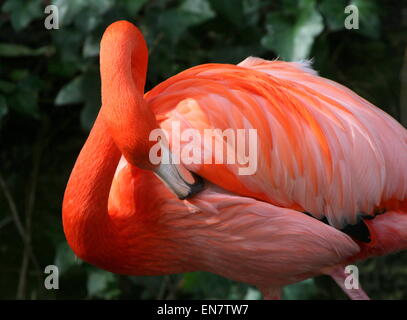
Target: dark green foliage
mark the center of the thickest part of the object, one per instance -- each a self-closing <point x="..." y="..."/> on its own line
<point x="50" y="95"/>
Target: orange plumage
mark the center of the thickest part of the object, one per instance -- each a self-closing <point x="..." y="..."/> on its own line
<point x="322" y="150"/>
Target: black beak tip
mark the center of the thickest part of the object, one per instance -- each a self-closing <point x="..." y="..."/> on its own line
<point x="194" y="188"/>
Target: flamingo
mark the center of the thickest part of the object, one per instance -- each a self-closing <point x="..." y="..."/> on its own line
<point x="330" y="186"/>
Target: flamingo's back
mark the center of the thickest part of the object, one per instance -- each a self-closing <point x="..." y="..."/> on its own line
<point x="322" y="149"/>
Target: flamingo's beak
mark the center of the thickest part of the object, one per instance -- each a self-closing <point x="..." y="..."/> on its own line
<point x="182" y="182"/>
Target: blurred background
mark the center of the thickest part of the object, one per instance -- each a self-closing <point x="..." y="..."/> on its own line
<point x="50" y="95"/>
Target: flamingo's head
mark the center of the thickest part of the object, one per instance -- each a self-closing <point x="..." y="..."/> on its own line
<point x="123" y="67"/>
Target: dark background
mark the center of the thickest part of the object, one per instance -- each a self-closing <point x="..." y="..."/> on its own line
<point x="49" y="96"/>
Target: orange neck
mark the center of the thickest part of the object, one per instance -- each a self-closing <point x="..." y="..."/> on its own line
<point x="86" y="222"/>
<point x="122" y="127"/>
<point x="123" y="66"/>
<point x="136" y="245"/>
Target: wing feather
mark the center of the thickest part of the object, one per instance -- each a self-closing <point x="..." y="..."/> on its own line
<point x="321" y="147"/>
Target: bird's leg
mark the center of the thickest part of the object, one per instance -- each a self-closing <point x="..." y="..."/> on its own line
<point x="270" y="293"/>
<point x="339" y="275"/>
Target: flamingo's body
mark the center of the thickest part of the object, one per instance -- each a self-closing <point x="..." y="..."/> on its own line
<point x="322" y="150"/>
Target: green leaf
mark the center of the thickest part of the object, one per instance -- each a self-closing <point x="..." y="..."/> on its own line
<point x="252" y="11"/>
<point x="292" y="37"/>
<point x="25" y="98"/>
<point x="252" y="294"/>
<point x="290" y="5"/>
<point x="68" y="42"/>
<point x="88" y="115"/>
<point x="300" y="291"/>
<point x="71" y="93"/>
<point x="83" y="89"/>
<point x="87" y="23"/>
<point x="153" y="284"/>
<point x="62" y="69"/>
<point x="211" y="286"/>
<point x="206" y="284"/>
<point x="22" y="12"/>
<point x="175" y="22"/>
<point x="92" y="97"/>
<point x="67" y="10"/>
<point x="231" y="10"/>
<point x="133" y="6"/>
<point x="102" y="284"/>
<point x="3" y="107"/>
<point x="334" y="14"/>
<point x="91" y="47"/>
<point x="25" y="102"/>
<point x="17" y="50"/>
<point x="19" y="74"/>
<point x="200" y="8"/>
<point x="65" y="258"/>
<point x="369" y="18"/>
<point x="6" y="86"/>
<point x="82" y="11"/>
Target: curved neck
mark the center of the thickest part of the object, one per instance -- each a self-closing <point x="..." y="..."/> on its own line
<point x="120" y="128"/>
<point x="86" y="222"/>
<point x="123" y="66"/>
<point x="123" y="62"/>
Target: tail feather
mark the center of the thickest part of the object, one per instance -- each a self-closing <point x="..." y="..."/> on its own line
<point x="388" y="233"/>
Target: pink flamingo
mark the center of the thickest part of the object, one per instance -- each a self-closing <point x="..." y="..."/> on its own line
<point x="330" y="186"/>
